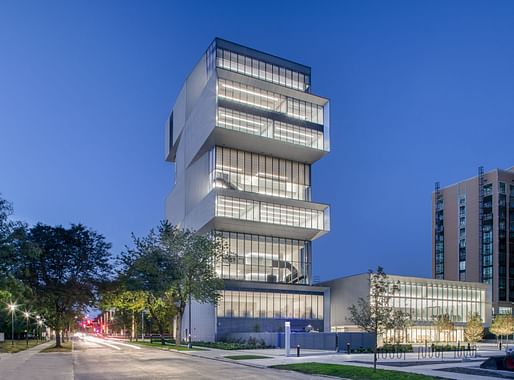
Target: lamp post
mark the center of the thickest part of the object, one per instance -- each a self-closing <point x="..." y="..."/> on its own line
<point x="27" y="315"/>
<point x="40" y="324"/>
<point x="12" y="308"/>
<point x="142" y="325"/>
<point x="38" y="320"/>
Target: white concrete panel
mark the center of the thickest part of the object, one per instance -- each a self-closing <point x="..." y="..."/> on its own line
<point x="201" y="214"/>
<point x="175" y="206"/>
<point x="197" y="181"/>
<point x="203" y="322"/>
<point x="345" y="292"/>
<point x="195" y="83"/>
<point x="179" y="114"/>
<point x="202" y="121"/>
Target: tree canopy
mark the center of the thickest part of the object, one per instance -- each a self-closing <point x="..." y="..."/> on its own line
<point x="474" y="329"/>
<point x="63" y="268"/>
<point x="175" y="266"/>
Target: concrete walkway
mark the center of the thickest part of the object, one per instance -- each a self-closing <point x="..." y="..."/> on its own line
<point x="432" y="367"/>
<point x="33" y="365"/>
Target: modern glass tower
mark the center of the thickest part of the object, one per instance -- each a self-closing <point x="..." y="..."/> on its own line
<point x="243" y="134"/>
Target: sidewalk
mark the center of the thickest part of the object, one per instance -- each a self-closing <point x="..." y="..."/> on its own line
<point x="431" y="367"/>
<point x="32" y="365"/>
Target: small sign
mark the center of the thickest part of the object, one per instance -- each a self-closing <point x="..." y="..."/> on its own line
<point x="2" y="336"/>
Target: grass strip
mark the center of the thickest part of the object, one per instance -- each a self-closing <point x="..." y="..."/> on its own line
<point x="246" y="357"/>
<point x="19" y="345"/>
<point x="352" y="372"/>
<point x="167" y="346"/>
<point x="66" y="347"/>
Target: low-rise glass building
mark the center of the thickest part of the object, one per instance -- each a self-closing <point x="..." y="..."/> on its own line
<point x="424" y="299"/>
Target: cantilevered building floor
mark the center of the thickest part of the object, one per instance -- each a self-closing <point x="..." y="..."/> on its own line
<point x="243" y="134"/>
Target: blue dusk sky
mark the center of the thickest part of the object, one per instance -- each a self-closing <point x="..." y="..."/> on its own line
<point x="420" y="91"/>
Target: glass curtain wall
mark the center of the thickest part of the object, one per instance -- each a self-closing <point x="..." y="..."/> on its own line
<point x="248" y="304"/>
<point x="270" y="101"/>
<point x="511" y="243"/>
<point x="262" y="70"/>
<point x="425" y="301"/>
<point x="265" y="259"/>
<point x="264" y="212"/>
<point x="245" y="171"/>
<point x="487" y="234"/>
<point x="265" y="127"/>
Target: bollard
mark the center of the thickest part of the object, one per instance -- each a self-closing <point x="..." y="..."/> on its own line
<point x="297" y="350"/>
<point x="348" y="348"/>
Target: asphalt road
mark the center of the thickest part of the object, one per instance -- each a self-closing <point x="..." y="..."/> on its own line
<point x="99" y="359"/>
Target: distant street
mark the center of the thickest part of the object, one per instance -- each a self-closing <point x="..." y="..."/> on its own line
<point x="94" y="359"/>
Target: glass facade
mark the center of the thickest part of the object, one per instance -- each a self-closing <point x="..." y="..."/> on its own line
<point x="462" y="238"/>
<point x="255" y="68"/>
<point x="439" y="239"/>
<point x="511" y="244"/>
<point x="265" y="259"/>
<point x="502" y="246"/>
<point x="424" y="301"/>
<point x="487" y="234"/>
<point x="274" y="213"/>
<point x="269" y="128"/>
<point x="280" y="305"/>
<point x="266" y="100"/>
<point x="252" y="172"/>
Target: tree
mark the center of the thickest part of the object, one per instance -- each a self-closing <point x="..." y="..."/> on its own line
<point x="474" y="330"/>
<point x="127" y="304"/>
<point x="502" y="325"/>
<point x="401" y="321"/>
<point x="12" y="242"/>
<point x="374" y="314"/>
<point x="176" y="263"/>
<point x="444" y="324"/>
<point x="162" y="311"/>
<point x="63" y="267"/>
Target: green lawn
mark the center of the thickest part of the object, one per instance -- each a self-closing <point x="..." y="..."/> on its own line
<point x="352" y="372"/>
<point x="246" y="357"/>
<point x="66" y="347"/>
<point x="167" y="346"/>
<point x="19" y="345"/>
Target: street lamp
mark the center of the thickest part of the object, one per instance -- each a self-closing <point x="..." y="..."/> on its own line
<point x="12" y="308"/>
<point x="142" y="325"/>
<point x="27" y="315"/>
<point x="39" y="322"/>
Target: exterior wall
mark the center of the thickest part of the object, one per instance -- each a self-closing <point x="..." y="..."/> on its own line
<point x="203" y="322"/>
<point x="473" y="267"/>
<point x="345" y="292"/>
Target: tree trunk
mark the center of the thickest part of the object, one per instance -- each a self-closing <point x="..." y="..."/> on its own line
<point x="178" y="336"/>
<point x="58" y="338"/>
<point x="161" y="332"/>
<point x="375" y="351"/>
<point x="132" y="329"/>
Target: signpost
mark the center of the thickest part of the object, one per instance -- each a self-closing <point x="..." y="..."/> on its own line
<point x="287" y="337"/>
